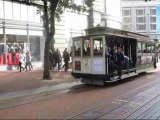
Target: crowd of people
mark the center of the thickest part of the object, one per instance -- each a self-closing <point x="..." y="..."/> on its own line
<point x="25" y="61"/>
<point x="55" y="58"/>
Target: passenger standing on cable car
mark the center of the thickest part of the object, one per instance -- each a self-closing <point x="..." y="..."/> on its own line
<point x="119" y="61"/>
<point x="111" y="65"/>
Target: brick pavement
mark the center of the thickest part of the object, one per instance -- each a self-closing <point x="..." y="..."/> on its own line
<point x="13" y="81"/>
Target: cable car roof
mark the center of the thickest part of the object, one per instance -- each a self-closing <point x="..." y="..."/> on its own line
<point x="99" y="31"/>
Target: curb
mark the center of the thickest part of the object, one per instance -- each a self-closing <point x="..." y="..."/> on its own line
<point x="35" y="91"/>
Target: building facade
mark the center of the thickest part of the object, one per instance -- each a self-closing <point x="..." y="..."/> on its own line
<point x="21" y="28"/>
<point x="140" y="16"/>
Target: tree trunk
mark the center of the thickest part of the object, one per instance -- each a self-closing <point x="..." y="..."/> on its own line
<point x="46" y="73"/>
<point x="50" y="30"/>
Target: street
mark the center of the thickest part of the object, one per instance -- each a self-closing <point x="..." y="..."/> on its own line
<point x="82" y="101"/>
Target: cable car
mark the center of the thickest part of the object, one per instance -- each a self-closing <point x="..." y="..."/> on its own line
<point x="92" y="61"/>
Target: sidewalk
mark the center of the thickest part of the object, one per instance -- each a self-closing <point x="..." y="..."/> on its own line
<point x="14" y="81"/>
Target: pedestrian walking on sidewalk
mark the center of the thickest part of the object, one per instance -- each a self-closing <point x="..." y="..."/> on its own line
<point x="51" y="59"/>
<point x="31" y="60"/>
<point x="66" y="58"/>
<point x="28" y="61"/>
<point x="57" y="58"/>
<point x="21" y="61"/>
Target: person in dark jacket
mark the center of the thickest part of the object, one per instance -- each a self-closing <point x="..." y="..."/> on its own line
<point x="66" y="59"/>
<point x="119" y="59"/>
<point x="57" y="58"/>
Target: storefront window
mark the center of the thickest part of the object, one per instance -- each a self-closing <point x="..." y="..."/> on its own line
<point x="35" y="47"/>
<point x="1" y="44"/>
<point x="16" y="43"/>
<point x="16" y="32"/>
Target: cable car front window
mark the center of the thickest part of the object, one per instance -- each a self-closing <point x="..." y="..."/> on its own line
<point x="77" y="47"/>
<point x="86" y="47"/>
<point x="98" y="47"/>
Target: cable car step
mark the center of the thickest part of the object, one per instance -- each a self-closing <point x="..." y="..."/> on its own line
<point x="92" y="81"/>
<point x="124" y="76"/>
<point x="129" y="70"/>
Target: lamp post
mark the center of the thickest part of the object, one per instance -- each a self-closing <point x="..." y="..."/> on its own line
<point x="148" y="20"/>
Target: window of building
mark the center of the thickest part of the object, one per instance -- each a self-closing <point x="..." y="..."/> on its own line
<point x="31" y="12"/>
<point x="127" y="19"/>
<point x="140" y="20"/>
<point x="152" y="11"/>
<point x="37" y="15"/>
<point x="23" y="12"/>
<point x="16" y="11"/>
<point x="1" y="10"/>
<point x="153" y="26"/>
<point x="126" y="12"/>
<point x="152" y="19"/>
<point x="141" y="27"/>
<point x="140" y="12"/>
<point x="8" y="10"/>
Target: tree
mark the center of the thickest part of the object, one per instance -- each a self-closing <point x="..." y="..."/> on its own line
<point x="51" y="10"/>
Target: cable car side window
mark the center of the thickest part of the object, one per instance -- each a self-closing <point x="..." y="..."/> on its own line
<point x="144" y="49"/>
<point x="97" y="47"/>
<point x="77" y="47"/>
<point x="86" y="47"/>
<point x="149" y="48"/>
<point x="139" y="47"/>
